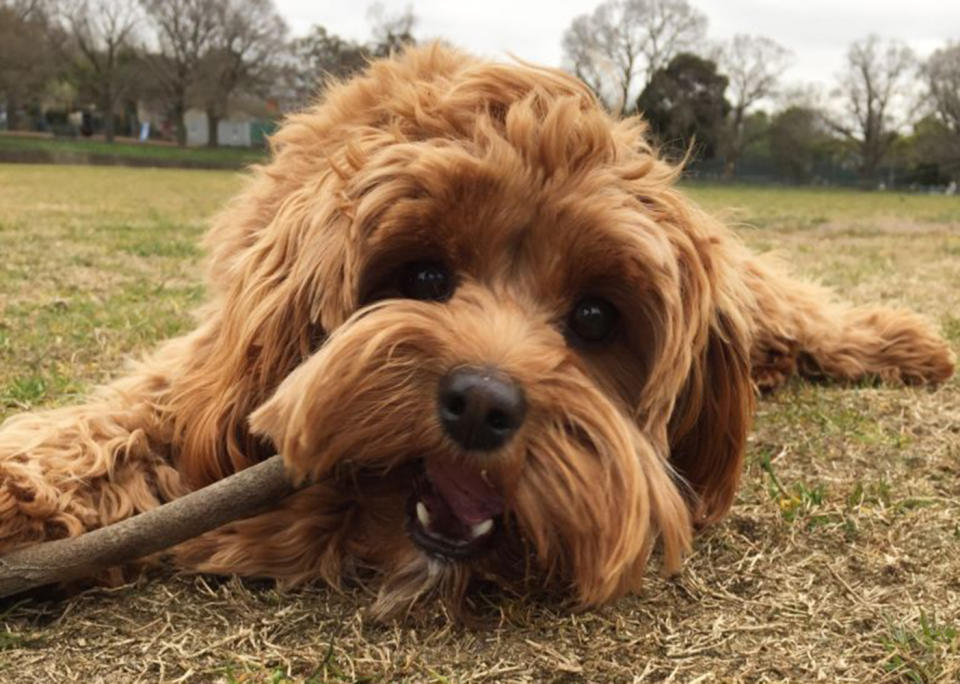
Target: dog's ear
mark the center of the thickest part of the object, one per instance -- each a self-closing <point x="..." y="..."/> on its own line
<point x="713" y="401"/>
<point x="711" y="419"/>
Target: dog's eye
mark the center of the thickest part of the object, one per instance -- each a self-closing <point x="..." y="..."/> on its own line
<point x="593" y="319"/>
<point x="427" y="281"/>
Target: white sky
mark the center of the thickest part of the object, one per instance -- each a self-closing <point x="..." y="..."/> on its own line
<point x="817" y="31"/>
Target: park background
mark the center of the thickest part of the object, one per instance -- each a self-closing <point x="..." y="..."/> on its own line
<point x="845" y="105"/>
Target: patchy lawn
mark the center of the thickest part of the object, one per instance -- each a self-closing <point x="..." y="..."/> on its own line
<point x="32" y="148"/>
<point x="840" y="560"/>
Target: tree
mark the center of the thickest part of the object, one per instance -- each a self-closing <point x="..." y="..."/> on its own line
<point x="937" y="137"/>
<point x="26" y="9"/>
<point x="799" y="140"/>
<point x="753" y="65"/>
<point x="589" y="56"/>
<point x="102" y="32"/>
<point x="934" y="152"/>
<point x="942" y="73"/>
<point x="322" y="55"/>
<point x="870" y="89"/>
<point x="26" y="62"/>
<point x="685" y="104"/>
<point x="241" y="53"/>
<point x="185" y="29"/>
<point x="390" y="33"/>
<point x="617" y="49"/>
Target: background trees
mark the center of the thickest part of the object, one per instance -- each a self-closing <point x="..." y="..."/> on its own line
<point x="210" y="50"/>
<point x="799" y="142"/>
<point x="321" y="55"/>
<point x="889" y="116"/>
<point x="26" y="62"/>
<point x="937" y="135"/>
<point x="753" y="66"/>
<point x="871" y="88"/>
<point x="942" y="73"/>
<point x="243" y="52"/>
<point x="658" y="48"/>
<point x="618" y="48"/>
<point x="390" y="32"/>
<point x="684" y="104"/>
<point x="184" y="32"/>
<point x="725" y="102"/>
<point x="103" y="41"/>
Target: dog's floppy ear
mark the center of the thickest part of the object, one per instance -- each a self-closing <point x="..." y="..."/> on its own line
<point x="713" y="402"/>
<point x="711" y="419"/>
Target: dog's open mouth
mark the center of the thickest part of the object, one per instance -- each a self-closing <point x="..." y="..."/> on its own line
<point x="453" y="510"/>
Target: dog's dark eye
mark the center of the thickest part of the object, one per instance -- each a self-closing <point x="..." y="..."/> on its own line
<point x="593" y="319"/>
<point x="427" y="281"/>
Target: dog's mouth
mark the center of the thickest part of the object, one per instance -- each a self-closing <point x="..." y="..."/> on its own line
<point x="454" y="510"/>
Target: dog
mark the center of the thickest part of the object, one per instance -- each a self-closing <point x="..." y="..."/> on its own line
<point x="481" y="324"/>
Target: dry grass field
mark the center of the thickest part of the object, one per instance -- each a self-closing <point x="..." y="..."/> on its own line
<point x="840" y="561"/>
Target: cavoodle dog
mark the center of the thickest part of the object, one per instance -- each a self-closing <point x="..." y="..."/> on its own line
<point x="473" y="313"/>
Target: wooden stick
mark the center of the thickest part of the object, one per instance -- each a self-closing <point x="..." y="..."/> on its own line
<point x="240" y="495"/>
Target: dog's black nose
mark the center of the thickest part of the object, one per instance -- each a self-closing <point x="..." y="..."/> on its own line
<point x="480" y="408"/>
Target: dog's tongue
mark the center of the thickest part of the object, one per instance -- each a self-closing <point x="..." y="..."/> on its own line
<point x="464" y="490"/>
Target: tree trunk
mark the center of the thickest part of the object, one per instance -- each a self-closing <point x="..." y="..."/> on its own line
<point x="108" y="118"/>
<point x="179" y="109"/>
<point x="108" y="125"/>
<point x="734" y="146"/>
<point x="13" y="113"/>
<point x="871" y="162"/>
<point x="729" y="168"/>
<point x="213" y="126"/>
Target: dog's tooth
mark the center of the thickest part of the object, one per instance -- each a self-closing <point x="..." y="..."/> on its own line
<point x="423" y="515"/>
<point x="482" y="528"/>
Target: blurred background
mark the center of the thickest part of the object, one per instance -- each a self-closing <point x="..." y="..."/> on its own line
<point x="818" y="93"/>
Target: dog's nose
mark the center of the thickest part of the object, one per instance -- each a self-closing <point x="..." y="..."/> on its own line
<point x="480" y="408"/>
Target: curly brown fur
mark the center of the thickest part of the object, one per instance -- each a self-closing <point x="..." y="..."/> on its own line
<point x="516" y="180"/>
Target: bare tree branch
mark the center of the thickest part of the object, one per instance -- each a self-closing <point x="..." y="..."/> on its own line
<point x="25" y="10"/>
<point x="670" y="27"/>
<point x="240" y="495"/>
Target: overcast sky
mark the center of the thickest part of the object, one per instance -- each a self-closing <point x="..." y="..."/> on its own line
<point x="817" y="31"/>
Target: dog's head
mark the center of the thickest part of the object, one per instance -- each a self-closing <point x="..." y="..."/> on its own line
<point x="477" y="305"/>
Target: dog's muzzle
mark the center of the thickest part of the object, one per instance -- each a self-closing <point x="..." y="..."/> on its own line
<point x="455" y="510"/>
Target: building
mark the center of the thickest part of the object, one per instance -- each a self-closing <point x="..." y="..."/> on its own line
<point x="236" y="130"/>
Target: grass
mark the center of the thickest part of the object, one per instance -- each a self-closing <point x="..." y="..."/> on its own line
<point x="60" y="149"/>
<point x="916" y="648"/>
<point x="99" y="263"/>
<point x="840" y="560"/>
<point x="832" y="209"/>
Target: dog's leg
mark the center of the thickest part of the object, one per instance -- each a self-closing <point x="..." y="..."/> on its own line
<point x="69" y="470"/>
<point x="801" y="328"/>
